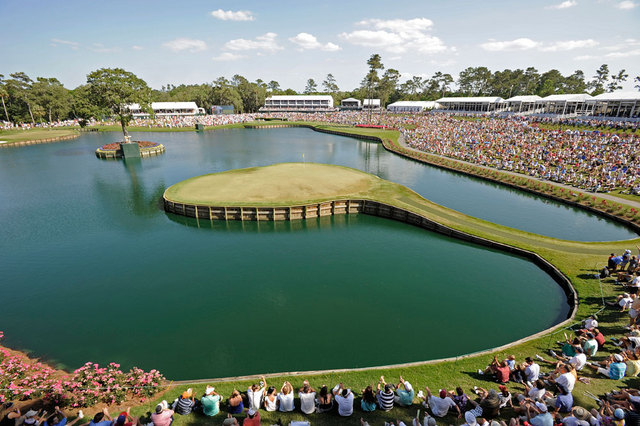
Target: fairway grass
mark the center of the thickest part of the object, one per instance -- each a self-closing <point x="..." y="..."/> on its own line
<point x="17" y="135"/>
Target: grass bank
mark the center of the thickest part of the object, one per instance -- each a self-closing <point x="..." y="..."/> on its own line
<point x="577" y="260"/>
<point x="15" y="135"/>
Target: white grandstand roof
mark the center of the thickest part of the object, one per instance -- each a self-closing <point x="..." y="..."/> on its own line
<point x="576" y="97"/>
<point x="524" y="98"/>
<point x="299" y="97"/>
<point x="473" y="99"/>
<point x="618" y="96"/>
<point x="167" y="105"/>
<point x="425" y="104"/>
<point x="350" y="100"/>
<point x="371" y="102"/>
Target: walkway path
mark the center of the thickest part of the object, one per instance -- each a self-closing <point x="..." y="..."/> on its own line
<point x="634" y="204"/>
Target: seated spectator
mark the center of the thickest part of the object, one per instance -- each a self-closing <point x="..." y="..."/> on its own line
<point x="590" y="345"/>
<point x="344" y="398"/>
<point x="385" y="395"/>
<point x="58" y="418"/>
<point x="271" y="400"/>
<point x="125" y="419"/>
<point x="307" y="397"/>
<point x="325" y="400"/>
<point x="564" y="401"/>
<point x="564" y="377"/>
<point x="98" y="419"/>
<point x="210" y="401"/>
<point x="252" y="419"/>
<point x="285" y="398"/>
<point x="230" y="421"/>
<point x="613" y="367"/>
<point x="531" y="371"/>
<point x="441" y="404"/>
<point x="255" y="394"/>
<point x="590" y="323"/>
<point x="163" y="416"/>
<point x="505" y="397"/>
<point x="500" y="370"/>
<point x="404" y="397"/>
<point x="599" y="338"/>
<point x="35" y="418"/>
<point x="236" y="405"/>
<point x="368" y="401"/>
<point x="579" y="417"/>
<point x="185" y="403"/>
<point x="460" y="398"/>
<point x="542" y="415"/>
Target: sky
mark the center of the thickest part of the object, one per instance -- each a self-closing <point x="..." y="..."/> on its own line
<point x="290" y="41"/>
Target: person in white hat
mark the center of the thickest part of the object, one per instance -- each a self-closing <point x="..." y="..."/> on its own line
<point x="543" y="418"/>
<point x="252" y="419"/>
<point x="614" y="367"/>
<point x="404" y="396"/>
<point x="470" y="419"/>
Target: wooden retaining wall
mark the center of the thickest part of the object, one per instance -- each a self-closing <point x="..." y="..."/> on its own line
<point x="37" y="142"/>
<point x="374" y="208"/>
<point x="110" y="154"/>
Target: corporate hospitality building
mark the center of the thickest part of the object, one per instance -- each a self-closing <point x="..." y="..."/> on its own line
<point x="164" y="109"/>
<point x="411" y="106"/>
<point x="298" y="103"/>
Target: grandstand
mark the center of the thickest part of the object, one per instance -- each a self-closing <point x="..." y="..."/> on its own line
<point x="165" y="109"/>
<point x="411" y="106"/>
<point x="522" y="104"/>
<point x="298" y="103"/>
<point x="371" y="104"/>
<point x="616" y="104"/>
<point x="565" y="104"/>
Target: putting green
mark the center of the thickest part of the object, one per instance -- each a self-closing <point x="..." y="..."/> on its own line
<point x="280" y="184"/>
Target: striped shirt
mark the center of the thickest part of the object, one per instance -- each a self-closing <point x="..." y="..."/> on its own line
<point x="385" y="400"/>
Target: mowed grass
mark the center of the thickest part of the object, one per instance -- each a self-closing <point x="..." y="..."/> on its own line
<point x="276" y="185"/>
<point x="17" y="135"/>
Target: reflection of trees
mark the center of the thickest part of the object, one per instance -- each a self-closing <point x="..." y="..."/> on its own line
<point x="121" y="199"/>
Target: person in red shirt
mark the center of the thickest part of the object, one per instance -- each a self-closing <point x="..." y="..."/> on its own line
<point x="499" y="369"/>
<point x="252" y="419"/>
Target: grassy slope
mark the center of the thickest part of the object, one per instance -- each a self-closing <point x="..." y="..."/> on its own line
<point x="12" y="136"/>
<point x="575" y="259"/>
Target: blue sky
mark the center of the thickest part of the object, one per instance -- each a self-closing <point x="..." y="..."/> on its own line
<point x="291" y="41"/>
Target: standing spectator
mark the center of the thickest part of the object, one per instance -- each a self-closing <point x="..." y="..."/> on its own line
<point x="344" y="398"/>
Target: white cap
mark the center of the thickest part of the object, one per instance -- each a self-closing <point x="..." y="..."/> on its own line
<point x="470" y="418"/>
<point x="408" y="386"/>
<point x="541" y="406"/>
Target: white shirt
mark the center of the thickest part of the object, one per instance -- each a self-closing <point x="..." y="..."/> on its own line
<point x="590" y="323"/>
<point x="286" y="401"/>
<point x="440" y="406"/>
<point x="255" y="398"/>
<point x="535" y="393"/>
<point x="578" y="361"/>
<point x="345" y="404"/>
<point x="567" y="380"/>
<point x="307" y="402"/>
<point x="532" y="372"/>
<point x="270" y="405"/>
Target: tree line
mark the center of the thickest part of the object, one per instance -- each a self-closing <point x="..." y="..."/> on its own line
<point x="46" y="99"/>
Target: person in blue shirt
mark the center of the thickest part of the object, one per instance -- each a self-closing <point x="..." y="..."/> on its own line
<point x="99" y="419"/>
<point x="543" y="418"/>
<point x="59" y="419"/>
<point x="615" y="367"/>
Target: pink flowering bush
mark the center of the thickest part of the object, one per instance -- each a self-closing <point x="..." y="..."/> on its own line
<point x="22" y="379"/>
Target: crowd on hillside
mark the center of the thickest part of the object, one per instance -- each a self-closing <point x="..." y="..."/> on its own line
<point x="587" y="159"/>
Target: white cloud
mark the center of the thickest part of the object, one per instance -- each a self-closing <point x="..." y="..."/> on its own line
<point x="625" y="5"/>
<point x="517" y="44"/>
<point x="181" y="44"/>
<point x="561" y="46"/>
<point x="101" y="48"/>
<point x="308" y="41"/>
<point x="397" y="36"/>
<point x="135" y="47"/>
<point x="623" y="54"/>
<point x="265" y="42"/>
<point x="229" y="15"/>
<point x="228" y="56"/>
<point x="564" y="5"/>
<point x="72" y="44"/>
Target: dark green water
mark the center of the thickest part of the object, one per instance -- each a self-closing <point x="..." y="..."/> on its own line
<point x="93" y="270"/>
